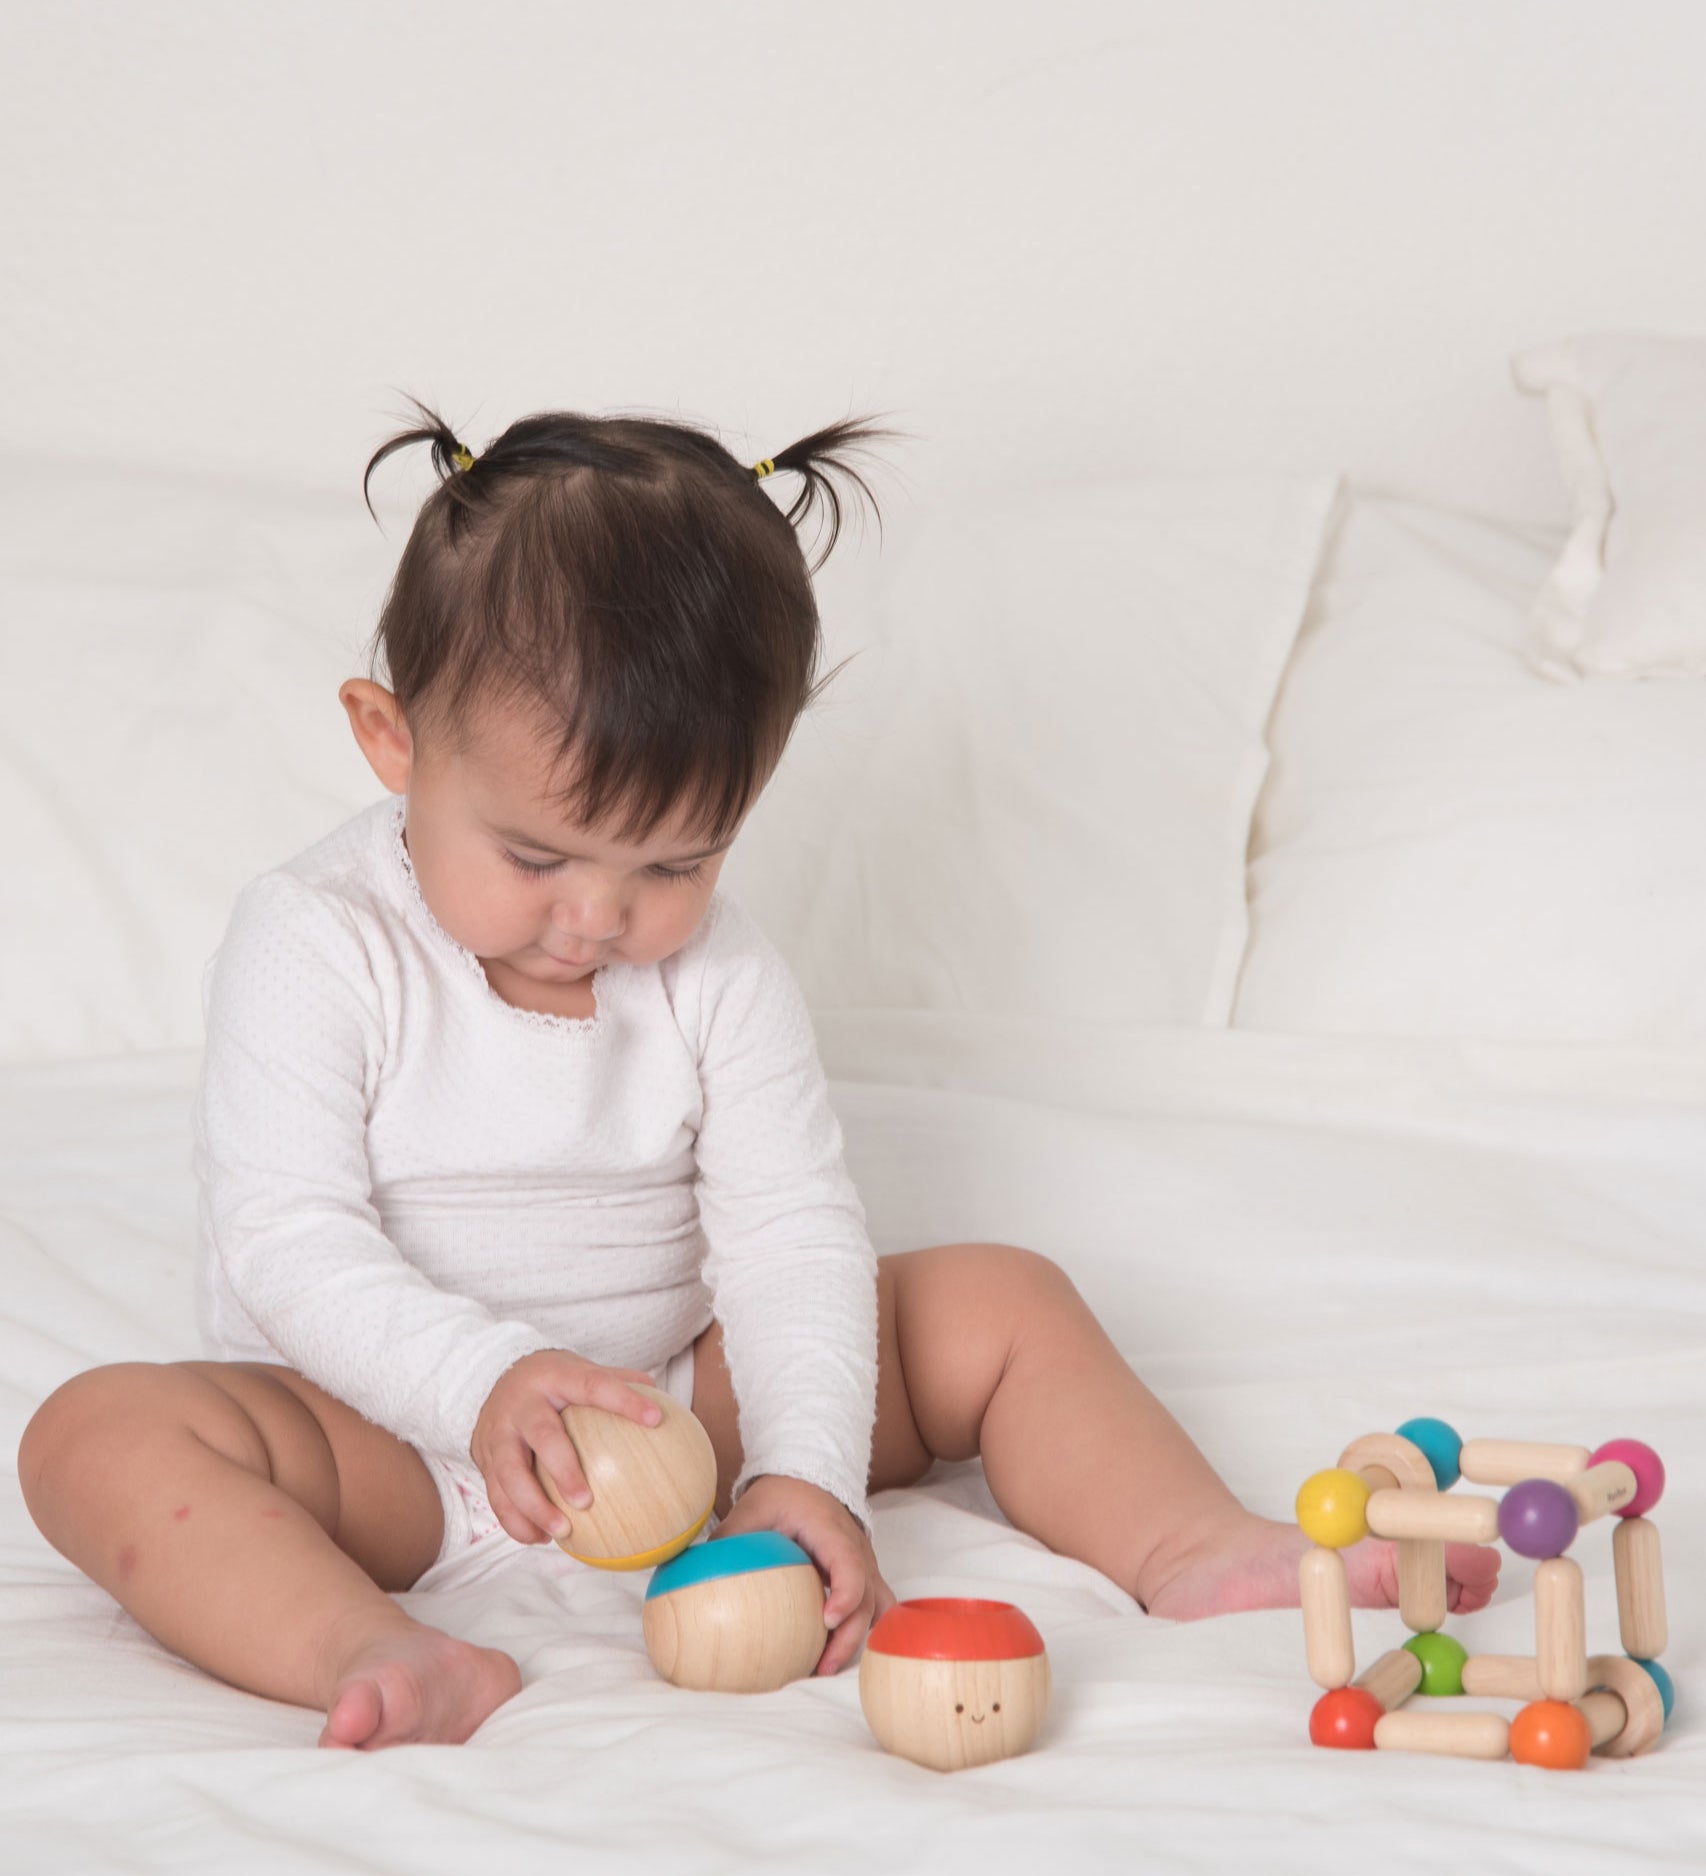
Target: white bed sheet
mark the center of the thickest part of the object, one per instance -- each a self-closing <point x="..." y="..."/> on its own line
<point x="1296" y="1240"/>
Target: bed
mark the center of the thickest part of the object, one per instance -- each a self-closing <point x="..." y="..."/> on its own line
<point x="1334" y="1122"/>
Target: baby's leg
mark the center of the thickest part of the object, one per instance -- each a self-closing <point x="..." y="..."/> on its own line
<point x="253" y="1524"/>
<point x="1001" y="1356"/>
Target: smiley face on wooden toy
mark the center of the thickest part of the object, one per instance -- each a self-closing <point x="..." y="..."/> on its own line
<point x="950" y="1681"/>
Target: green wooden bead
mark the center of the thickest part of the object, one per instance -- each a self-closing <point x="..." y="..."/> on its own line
<point x="1442" y="1662"/>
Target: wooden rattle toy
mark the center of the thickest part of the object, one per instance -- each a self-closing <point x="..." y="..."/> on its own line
<point x="652" y="1487"/>
<point x="1395" y="1485"/>
<point x="951" y="1681"/>
<point x="737" y="1615"/>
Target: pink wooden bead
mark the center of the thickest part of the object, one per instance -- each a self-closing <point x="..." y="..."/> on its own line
<point x="1648" y="1468"/>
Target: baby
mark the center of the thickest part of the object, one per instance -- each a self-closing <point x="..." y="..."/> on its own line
<point x="505" y="1106"/>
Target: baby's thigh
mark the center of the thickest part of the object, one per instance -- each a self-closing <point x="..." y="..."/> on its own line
<point x="382" y="1508"/>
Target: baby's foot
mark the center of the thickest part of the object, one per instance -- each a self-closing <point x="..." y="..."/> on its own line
<point x="419" y="1686"/>
<point x="1251" y="1563"/>
<point x="1371" y="1574"/>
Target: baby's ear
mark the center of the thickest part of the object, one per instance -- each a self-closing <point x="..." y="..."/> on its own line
<point x="381" y="729"/>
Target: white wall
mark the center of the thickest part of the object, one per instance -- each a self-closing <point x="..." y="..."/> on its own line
<point x="1055" y="239"/>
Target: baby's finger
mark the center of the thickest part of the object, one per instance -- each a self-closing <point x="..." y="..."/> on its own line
<point x="841" y="1560"/>
<point x="847" y="1638"/>
<point x="847" y="1606"/>
<point x="555" y="1460"/>
<point x="523" y="1530"/>
<point x="515" y="1477"/>
<point x="605" y="1387"/>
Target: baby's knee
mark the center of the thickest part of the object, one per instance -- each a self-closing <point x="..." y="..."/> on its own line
<point x="56" y="1443"/>
<point x="105" y="1418"/>
<point x="1014" y="1272"/>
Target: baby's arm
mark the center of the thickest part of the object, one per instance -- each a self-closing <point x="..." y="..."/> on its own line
<point x="792" y="1272"/>
<point x="294" y="1043"/>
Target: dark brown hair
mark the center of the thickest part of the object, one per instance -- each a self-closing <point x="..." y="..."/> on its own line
<point x="629" y="584"/>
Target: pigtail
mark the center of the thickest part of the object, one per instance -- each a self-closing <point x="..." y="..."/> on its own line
<point x="811" y="455"/>
<point x="449" y="457"/>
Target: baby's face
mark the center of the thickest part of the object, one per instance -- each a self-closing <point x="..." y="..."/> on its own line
<point x="539" y="900"/>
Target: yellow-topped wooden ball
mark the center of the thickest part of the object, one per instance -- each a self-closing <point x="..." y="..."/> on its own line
<point x="652" y="1488"/>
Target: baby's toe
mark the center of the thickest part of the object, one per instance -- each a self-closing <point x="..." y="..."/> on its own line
<point x="354" y="1715"/>
<point x="1475" y="1566"/>
<point x="1473" y="1572"/>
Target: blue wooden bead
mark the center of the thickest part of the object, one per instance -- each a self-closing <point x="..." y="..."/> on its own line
<point x="1439" y="1443"/>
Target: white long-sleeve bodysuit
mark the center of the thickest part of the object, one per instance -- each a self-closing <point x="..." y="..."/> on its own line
<point x="406" y="1184"/>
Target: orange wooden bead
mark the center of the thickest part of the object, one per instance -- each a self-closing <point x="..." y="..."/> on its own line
<point x="1552" y="1733"/>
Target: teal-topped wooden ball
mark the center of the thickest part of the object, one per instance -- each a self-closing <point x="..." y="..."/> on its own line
<point x="736" y="1615"/>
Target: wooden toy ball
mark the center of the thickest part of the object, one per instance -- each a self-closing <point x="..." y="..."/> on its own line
<point x="652" y="1487"/>
<point x="738" y="1615"/>
<point x="951" y="1681"/>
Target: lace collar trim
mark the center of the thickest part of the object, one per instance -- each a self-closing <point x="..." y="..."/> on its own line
<point x="603" y="980"/>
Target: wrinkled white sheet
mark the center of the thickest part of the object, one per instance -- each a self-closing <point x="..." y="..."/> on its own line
<point x="1294" y="1240"/>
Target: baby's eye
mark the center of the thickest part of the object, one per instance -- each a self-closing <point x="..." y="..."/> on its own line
<point x="959" y="1706"/>
<point x="534" y="868"/>
<point x="996" y="1708"/>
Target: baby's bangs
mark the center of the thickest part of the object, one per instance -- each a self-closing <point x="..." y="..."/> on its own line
<point x="613" y="613"/>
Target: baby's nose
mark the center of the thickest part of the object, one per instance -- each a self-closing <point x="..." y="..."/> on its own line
<point x="589" y="919"/>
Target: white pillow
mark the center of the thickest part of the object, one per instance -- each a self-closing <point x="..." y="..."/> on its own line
<point x="169" y="727"/>
<point x="1043" y="804"/>
<point x="1031" y="792"/>
<point x="1628" y="594"/>
<point x="1451" y="845"/>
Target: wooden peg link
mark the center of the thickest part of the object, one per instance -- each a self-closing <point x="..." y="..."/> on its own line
<point x="1393" y="1678"/>
<point x="1327" y="1640"/>
<point x="1642" y="1626"/>
<point x="1560" y="1629"/>
<point x="1605" y="1714"/>
<point x="1502" y="1677"/>
<point x="1421" y="1583"/>
<point x="1456" y="1735"/>
<point x="1601" y="1489"/>
<point x="1509" y="1462"/>
<point x="1465" y="1520"/>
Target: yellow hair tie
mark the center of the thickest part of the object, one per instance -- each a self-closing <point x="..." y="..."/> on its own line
<point x="462" y="458"/>
<point x="763" y="469"/>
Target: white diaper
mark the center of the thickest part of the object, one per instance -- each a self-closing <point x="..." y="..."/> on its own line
<point x="468" y="1515"/>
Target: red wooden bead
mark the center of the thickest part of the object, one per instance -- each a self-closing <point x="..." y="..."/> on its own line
<point x="1345" y="1719"/>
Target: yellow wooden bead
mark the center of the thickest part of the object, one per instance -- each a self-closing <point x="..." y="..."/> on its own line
<point x="1332" y="1507"/>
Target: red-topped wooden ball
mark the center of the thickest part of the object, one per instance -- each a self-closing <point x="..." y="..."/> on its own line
<point x="952" y="1681"/>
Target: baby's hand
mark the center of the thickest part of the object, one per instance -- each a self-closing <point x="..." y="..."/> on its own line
<point x="522" y="1419"/>
<point x="835" y="1541"/>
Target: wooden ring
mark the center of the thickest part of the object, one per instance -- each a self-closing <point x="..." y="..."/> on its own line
<point x="1638" y="1691"/>
<point x="1404" y="1460"/>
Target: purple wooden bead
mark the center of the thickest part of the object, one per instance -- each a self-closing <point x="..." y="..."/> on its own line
<point x="1538" y="1518"/>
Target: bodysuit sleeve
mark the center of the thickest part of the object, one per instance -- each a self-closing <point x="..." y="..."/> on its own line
<point x="295" y="1046"/>
<point x="791" y="1270"/>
